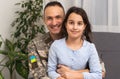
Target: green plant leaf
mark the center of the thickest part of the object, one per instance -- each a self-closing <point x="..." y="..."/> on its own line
<point x="4" y="52"/>
<point x="0" y="43"/>
<point x="20" y="56"/>
<point x="9" y="45"/>
<point x="1" y="76"/>
<point x="22" y="69"/>
<point x="26" y="27"/>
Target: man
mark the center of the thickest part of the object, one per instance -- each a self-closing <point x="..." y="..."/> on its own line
<point x="38" y="48"/>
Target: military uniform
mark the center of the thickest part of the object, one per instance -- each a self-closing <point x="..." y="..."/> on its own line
<point x="38" y="54"/>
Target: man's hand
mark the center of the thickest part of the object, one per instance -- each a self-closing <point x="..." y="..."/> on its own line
<point x="63" y="69"/>
<point x="68" y="73"/>
<point x="60" y="77"/>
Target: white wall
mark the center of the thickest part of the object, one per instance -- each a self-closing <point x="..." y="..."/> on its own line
<point x="7" y="15"/>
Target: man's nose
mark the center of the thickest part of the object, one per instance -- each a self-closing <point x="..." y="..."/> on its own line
<point x="54" y="21"/>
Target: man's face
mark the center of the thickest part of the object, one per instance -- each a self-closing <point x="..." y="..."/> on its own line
<point x="53" y="17"/>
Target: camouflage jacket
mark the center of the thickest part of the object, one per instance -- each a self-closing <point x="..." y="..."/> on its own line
<point x="38" y="54"/>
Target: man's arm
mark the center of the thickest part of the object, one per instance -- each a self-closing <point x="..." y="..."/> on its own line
<point x="103" y="69"/>
<point x="76" y="73"/>
<point x="36" y="63"/>
<point x="68" y="73"/>
<point x="63" y="68"/>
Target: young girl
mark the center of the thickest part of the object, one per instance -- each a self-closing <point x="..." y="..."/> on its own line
<point x="76" y="50"/>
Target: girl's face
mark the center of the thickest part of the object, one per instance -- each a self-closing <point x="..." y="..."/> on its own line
<point x="75" y="26"/>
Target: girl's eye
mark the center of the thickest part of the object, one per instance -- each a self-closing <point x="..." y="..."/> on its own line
<point x="80" y="23"/>
<point x="71" y="23"/>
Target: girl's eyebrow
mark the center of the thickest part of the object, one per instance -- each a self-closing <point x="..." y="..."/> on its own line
<point x="72" y="20"/>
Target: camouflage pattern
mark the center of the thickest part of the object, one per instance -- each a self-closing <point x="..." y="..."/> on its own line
<point x="39" y="47"/>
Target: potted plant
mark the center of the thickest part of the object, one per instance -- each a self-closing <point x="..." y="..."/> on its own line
<point x="11" y="58"/>
<point x="27" y="25"/>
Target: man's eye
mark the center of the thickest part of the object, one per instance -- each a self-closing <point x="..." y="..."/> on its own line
<point x="58" y="17"/>
<point x="49" y="18"/>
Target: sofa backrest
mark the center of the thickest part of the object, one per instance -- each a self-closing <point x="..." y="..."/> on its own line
<point x="108" y="47"/>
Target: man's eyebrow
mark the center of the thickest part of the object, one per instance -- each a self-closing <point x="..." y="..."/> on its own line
<point x="58" y="16"/>
<point x="48" y="17"/>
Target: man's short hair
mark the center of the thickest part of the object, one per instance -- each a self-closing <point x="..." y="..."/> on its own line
<point x="54" y="3"/>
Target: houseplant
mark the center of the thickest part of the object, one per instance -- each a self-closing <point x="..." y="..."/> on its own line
<point x="27" y="25"/>
<point x="11" y="58"/>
